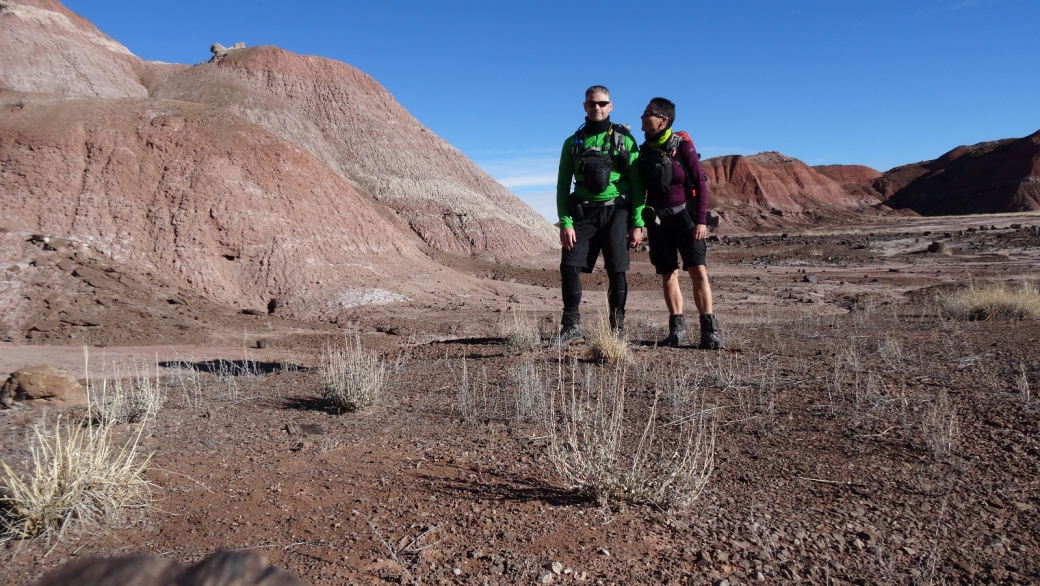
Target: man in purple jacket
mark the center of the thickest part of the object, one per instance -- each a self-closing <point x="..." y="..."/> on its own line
<point x="676" y="217"/>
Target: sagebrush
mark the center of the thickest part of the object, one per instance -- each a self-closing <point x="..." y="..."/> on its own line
<point x="352" y="377"/>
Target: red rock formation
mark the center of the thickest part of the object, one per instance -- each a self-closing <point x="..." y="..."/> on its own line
<point x="772" y="190"/>
<point x="48" y="48"/>
<point x="351" y="123"/>
<point x="849" y="174"/>
<point x="989" y="177"/>
<point x="200" y="197"/>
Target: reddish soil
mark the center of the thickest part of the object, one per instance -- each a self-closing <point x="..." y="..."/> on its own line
<point x="818" y="479"/>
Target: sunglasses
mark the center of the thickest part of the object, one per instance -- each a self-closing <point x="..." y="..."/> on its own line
<point x="591" y="103"/>
<point x="648" y="113"/>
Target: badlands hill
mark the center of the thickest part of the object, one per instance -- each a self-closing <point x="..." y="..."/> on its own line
<point x="773" y="191"/>
<point x="261" y="175"/>
<point x="989" y="177"/>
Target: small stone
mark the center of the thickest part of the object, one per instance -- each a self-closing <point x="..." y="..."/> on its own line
<point x="1023" y="507"/>
<point x="261" y="344"/>
<point x="810" y="278"/>
<point x="544" y="578"/>
<point x="858" y="544"/>
<point x="457" y="571"/>
<point x="557" y="568"/>
<point x="909" y="550"/>
<point x="604" y="552"/>
<point x="759" y="576"/>
<point x="722" y="582"/>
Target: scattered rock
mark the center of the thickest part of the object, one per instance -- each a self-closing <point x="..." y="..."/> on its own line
<point x="42" y="382"/>
<point x="544" y="578"/>
<point x="261" y="344"/>
<point x="939" y="247"/>
<point x="557" y="568"/>
<point x="810" y="278"/>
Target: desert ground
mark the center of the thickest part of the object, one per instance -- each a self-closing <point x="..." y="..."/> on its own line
<point x="861" y="435"/>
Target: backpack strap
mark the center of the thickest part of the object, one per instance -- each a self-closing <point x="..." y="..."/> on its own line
<point x="673" y="149"/>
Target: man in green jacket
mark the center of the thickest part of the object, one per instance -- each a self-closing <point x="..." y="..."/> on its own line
<point x="603" y="213"/>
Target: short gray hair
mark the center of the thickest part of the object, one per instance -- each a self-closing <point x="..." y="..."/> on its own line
<point x="596" y="89"/>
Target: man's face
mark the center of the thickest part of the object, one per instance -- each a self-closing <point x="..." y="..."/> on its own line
<point x="653" y="121"/>
<point x="598" y="106"/>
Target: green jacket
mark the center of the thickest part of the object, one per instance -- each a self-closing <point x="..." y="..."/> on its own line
<point x="629" y="182"/>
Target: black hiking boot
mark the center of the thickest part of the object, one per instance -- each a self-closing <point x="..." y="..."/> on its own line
<point x="569" y="334"/>
<point x="711" y="335"/>
<point x="676" y="332"/>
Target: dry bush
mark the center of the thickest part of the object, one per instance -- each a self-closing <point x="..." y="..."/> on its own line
<point x="940" y="429"/>
<point x="525" y="399"/>
<point x="531" y="381"/>
<point x="126" y="400"/>
<point x="522" y="336"/>
<point x="600" y="453"/>
<point x="606" y="345"/>
<point x="351" y="376"/>
<point x="998" y="300"/>
<point x="187" y="378"/>
<point x="75" y="476"/>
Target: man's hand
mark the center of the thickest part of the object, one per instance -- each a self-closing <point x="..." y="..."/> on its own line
<point x="635" y="236"/>
<point x="700" y="232"/>
<point x="568" y="238"/>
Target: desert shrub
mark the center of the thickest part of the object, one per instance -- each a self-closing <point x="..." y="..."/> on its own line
<point x="606" y="345"/>
<point x="351" y="376"/>
<point x="125" y="400"/>
<point x="998" y="300"/>
<point x="940" y="429"/>
<point x="531" y="381"/>
<point x="596" y="446"/>
<point x="522" y="336"/>
<point x="76" y="476"/>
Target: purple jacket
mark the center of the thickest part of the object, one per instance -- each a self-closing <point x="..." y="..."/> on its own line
<point x="698" y="206"/>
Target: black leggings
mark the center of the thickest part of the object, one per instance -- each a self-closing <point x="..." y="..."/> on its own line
<point x="617" y="294"/>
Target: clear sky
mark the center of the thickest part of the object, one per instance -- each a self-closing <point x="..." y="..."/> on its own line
<point x="880" y="83"/>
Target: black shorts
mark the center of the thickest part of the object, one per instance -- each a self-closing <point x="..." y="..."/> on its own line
<point x="603" y="228"/>
<point x="671" y="239"/>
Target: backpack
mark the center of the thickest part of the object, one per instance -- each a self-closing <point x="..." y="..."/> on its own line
<point x="655" y="166"/>
<point x="595" y="163"/>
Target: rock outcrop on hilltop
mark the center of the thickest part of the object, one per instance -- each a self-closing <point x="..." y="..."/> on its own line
<point x="770" y="190"/>
<point x="989" y="177"/>
<point x="48" y="48"/>
<point x="351" y="123"/>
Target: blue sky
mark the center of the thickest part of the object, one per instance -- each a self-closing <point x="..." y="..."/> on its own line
<point x="880" y="83"/>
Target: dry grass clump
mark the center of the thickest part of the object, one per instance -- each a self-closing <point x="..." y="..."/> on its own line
<point x="127" y="400"/>
<point x="596" y="446"/>
<point x="351" y="376"/>
<point x="998" y="300"/>
<point x="75" y="476"/>
<point x="606" y="345"/>
<point x="522" y="336"/>
<point x="940" y="429"/>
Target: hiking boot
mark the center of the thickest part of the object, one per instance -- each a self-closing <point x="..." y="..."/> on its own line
<point x="711" y="335"/>
<point x="569" y="334"/>
<point x="676" y="332"/>
<point x="617" y="323"/>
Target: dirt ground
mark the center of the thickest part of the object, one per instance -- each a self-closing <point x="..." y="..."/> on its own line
<point x="861" y="437"/>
